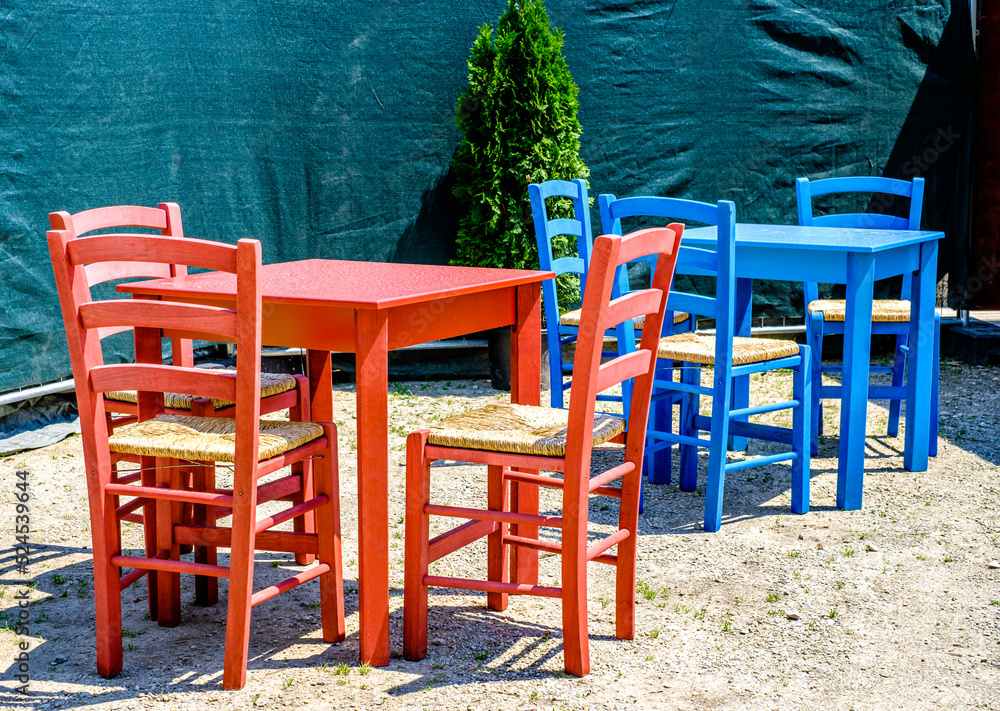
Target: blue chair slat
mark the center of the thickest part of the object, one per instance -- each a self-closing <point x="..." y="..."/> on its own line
<point x="568" y="265"/>
<point x="870" y="221"/>
<point x="698" y="261"/>
<point x="564" y="226"/>
<point x="561" y="188"/>
<point x="691" y="303"/>
<point x="724" y="421"/>
<point x="817" y="327"/>
<point x="649" y="206"/>
<point x="860" y="184"/>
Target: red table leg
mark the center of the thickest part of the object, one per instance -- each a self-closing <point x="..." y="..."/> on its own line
<point x="525" y="389"/>
<point x="373" y="484"/>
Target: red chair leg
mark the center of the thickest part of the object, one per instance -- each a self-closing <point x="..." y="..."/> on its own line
<point x="116" y="502"/>
<point x="167" y="514"/>
<point x="107" y="593"/>
<point x="497" y="552"/>
<point x="576" y="642"/>
<point x="415" y="559"/>
<point x="331" y="584"/>
<point x="234" y="668"/>
<point x="307" y="522"/>
<point x="628" y="518"/>
<point x="187" y="480"/>
<point x="206" y="587"/>
<point x="148" y="478"/>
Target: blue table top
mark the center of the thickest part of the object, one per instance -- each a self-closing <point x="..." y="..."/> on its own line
<point x="831" y="239"/>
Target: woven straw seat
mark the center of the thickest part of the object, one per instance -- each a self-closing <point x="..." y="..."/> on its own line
<point x="270" y="384"/>
<point x="572" y="318"/>
<point x="210" y="439"/>
<point x="883" y="310"/>
<point x="517" y="429"/>
<point x="700" y="348"/>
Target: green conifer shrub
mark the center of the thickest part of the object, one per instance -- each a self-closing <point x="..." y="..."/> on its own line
<point x="518" y="118"/>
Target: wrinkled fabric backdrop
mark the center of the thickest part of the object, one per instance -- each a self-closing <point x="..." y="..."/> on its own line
<point x="326" y="129"/>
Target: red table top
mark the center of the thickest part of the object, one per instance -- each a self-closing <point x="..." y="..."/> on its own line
<point x="363" y="285"/>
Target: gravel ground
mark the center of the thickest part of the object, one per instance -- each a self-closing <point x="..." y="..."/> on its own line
<point x="896" y="605"/>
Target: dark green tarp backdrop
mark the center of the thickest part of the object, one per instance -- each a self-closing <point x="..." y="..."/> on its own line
<point x="325" y="129"/>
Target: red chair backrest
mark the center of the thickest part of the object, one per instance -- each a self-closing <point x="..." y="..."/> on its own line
<point x="166" y="218"/>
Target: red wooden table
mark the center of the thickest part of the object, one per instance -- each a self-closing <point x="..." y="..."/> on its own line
<point x="370" y="308"/>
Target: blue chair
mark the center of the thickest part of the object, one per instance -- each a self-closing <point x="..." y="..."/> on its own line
<point x="561" y="330"/>
<point x="732" y="358"/>
<point x="889" y="316"/>
<point x="559" y="333"/>
<point x="658" y="460"/>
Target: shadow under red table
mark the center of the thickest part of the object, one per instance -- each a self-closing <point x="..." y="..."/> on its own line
<point x="370" y="308"/>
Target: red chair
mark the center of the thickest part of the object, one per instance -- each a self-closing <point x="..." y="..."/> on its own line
<point x="162" y="441"/>
<point x="278" y="391"/>
<point x="514" y="441"/>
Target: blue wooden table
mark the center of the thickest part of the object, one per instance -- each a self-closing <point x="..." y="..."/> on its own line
<point x="855" y="258"/>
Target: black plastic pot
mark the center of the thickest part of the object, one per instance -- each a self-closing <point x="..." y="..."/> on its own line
<point x="498" y="343"/>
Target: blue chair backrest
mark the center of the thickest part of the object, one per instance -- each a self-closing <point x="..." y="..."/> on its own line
<point x="545" y="230"/>
<point x="718" y="263"/>
<point x="805" y="191"/>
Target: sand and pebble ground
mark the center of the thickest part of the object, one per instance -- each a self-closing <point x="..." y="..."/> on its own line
<point x="893" y="606"/>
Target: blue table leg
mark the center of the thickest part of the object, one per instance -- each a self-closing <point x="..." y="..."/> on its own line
<point x="741" y="327"/>
<point x="854" y="393"/>
<point x="920" y="379"/>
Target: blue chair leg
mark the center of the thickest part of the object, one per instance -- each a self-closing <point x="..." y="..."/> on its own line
<point x="555" y="367"/>
<point x="690" y="404"/>
<point x="740" y="399"/>
<point x="815" y="338"/>
<point x="555" y="382"/>
<point x="716" y="479"/>
<point x="648" y="470"/>
<point x="898" y="371"/>
<point x="801" y="438"/>
<point x="741" y="385"/>
<point x="936" y="375"/>
<point x="662" y="420"/>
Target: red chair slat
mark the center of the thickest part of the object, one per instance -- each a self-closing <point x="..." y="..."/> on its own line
<point x="143" y="248"/>
<point x="631" y="305"/>
<point x="149" y="377"/>
<point x="213" y="322"/>
<point x="103" y="218"/>
<point x="622" y="368"/>
<point x="107" y="271"/>
<point x="643" y="243"/>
